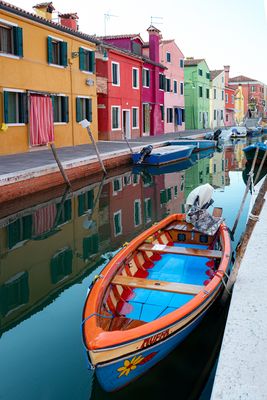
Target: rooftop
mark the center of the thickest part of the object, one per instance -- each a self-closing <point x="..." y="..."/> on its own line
<point x="192" y="61"/>
<point x="241" y="78"/>
<point x="214" y="73"/>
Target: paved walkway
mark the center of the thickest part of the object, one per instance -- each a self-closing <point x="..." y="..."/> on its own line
<point x="242" y="368"/>
<point x="13" y="167"/>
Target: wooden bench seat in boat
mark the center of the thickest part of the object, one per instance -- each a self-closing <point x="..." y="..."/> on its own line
<point x="161" y="248"/>
<point x="164" y="286"/>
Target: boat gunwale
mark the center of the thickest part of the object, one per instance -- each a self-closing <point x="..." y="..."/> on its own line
<point x="99" y="338"/>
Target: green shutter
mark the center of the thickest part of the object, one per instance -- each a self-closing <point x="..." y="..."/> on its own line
<point x="164" y="82"/>
<point x="49" y="50"/>
<point x="65" y="109"/>
<point x="25" y="107"/>
<point x="81" y="59"/>
<point x="81" y="205"/>
<point x="92" y="61"/>
<point x="18" y="41"/>
<point x="148" y="78"/>
<point x="64" y="53"/>
<point x="136" y="213"/>
<point x="6" y="107"/>
<point x="90" y="115"/>
<point x="78" y="109"/>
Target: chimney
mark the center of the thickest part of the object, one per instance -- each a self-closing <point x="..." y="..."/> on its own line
<point x="44" y="10"/>
<point x="226" y="73"/>
<point x="154" y="37"/>
<point x="69" y="20"/>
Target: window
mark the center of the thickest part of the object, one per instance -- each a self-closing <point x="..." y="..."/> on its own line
<point x="15" y="107"/>
<point x="222" y="95"/>
<point x="207" y="93"/>
<point x="168" y="56"/>
<point x="14" y="293"/>
<point x="227" y="118"/>
<point x="135" y="117"/>
<point x="181" y="88"/>
<point x="135" y="78"/>
<point x="174" y="86"/>
<point x="137" y="212"/>
<point x="148" y="210"/>
<point x="115" y="117"/>
<point x="168" y="85"/>
<point x="181" y="63"/>
<point x="253" y="89"/>
<point x="19" y="230"/>
<point x="200" y="91"/>
<point x="85" y="202"/>
<point x="214" y="115"/>
<point x="233" y="99"/>
<point x="175" y="191"/>
<point x="146" y="77"/>
<point x="162" y="112"/>
<point x="61" y="265"/>
<point x="214" y="94"/>
<point x="90" y="246"/>
<point x="226" y="97"/>
<point x="115" y="74"/>
<point x="117" y="185"/>
<point x="200" y="72"/>
<point x="162" y="82"/>
<point x="60" y="108"/>
<point x="169" y="115"/>
<point x="83" y="109"/>
<point x="65" y="212"/>
<point x="57" y="52"/>
<point x="86" y="60"/>
<point x="11" y="41"/>
<point x="208" y="75"/>
<point x="221" y="114"/>
<point x="117" y="223"/>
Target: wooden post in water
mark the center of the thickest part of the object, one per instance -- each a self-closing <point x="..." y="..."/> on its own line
<point x="126" y="140"/>
<point x="86" y="124"/>
<point x="60" y="166"/>
<point x="246" y="191"/>
<point x="252" y="220"/>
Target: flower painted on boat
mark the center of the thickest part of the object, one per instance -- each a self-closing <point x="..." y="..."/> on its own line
<point x="130" y="365"/>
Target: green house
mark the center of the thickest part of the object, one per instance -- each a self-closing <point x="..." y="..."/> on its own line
<point x="197" y="94"/>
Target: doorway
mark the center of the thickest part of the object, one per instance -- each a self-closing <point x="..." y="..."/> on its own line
<point x="126" y="123"/>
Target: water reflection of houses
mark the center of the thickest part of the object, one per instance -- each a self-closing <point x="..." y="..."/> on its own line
<point x="217" y="170"/>
<point x="198" y="174"/>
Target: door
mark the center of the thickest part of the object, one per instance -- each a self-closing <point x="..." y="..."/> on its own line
<point x="146" y="119"/>
<point x="126" y="123"/>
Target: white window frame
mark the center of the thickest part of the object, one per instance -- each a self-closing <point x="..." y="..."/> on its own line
<point x="118" y="73"/>
<point x="11" y="24"/>
<point x="114" y="226"/>
<point x="181" y="59"/>
<point x="15" y="91"/>
<point x="137" y="77"/>
<point x="168" y="79"/>
<point x="168" y="52"/>
<point x="137" y="117"/>
<point x="138" y="201"/>
<point x="145" y="84"/>
<point x="119" y="118"/>
<point x="115" y="192"/>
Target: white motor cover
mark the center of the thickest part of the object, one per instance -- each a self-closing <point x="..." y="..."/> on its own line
<point x="203" y="191"/>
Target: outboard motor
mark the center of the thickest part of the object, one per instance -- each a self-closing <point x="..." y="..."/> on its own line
<point x="217" y="134"/>
<point x="144" y="153"/>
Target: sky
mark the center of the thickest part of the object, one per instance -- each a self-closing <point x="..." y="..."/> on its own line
<point x="224" y="32"/>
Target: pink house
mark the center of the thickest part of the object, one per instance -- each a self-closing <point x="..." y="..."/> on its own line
<point x="173" y="59"/>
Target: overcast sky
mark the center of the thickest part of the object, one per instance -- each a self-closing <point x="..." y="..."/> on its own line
<point x="224" y="32"/>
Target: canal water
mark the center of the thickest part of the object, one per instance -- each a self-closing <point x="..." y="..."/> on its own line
<point x="51" y="247"/>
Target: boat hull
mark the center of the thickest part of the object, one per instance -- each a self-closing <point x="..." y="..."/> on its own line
<point x="199" y="145"/>
<point x="115" y="374"/>
<point x="164" y="155"/>
<point x="250" y="151"/>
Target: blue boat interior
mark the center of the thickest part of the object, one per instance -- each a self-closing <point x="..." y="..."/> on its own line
<point x="148" y="305"/>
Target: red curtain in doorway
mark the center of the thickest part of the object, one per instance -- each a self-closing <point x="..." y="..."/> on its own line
<point x="41" y="120"/>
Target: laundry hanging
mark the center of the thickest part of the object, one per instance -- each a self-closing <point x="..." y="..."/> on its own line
<point x="41" y="120"/>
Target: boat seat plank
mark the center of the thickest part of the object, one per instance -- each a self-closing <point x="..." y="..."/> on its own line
<point x="161" y="248"/>
<point x="156" y="285"/>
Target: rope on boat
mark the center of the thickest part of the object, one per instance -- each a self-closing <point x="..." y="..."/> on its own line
<point x="254" y="217"/>
<point x="224" y="273"/>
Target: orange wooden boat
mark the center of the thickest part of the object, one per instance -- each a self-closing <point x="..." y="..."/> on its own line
<point x="150" y="296"/>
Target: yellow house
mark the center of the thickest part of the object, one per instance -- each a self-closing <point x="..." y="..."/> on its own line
<point x="47" y="80"/>
<point x="239" y="105"/>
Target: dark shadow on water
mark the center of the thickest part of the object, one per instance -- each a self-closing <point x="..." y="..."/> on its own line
<point x="187" y="373"/>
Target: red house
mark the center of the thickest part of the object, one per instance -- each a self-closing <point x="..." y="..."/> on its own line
<point x="119" y="75"/>
<point x="229" y="99"/>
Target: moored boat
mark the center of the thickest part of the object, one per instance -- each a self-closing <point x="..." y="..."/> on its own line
<point x="152" y="294"/>
<point x="199" y="145"/>
<point x="251" y="149"/>
<point x="162" y="155"/>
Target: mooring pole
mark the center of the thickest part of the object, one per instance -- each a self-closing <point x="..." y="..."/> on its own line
<point x="60" y="166"/>
<point x="86" y="124"/>
<point x="126" y="140"/>
<point x="246" y="191"/>
<point x="260" y="167"/>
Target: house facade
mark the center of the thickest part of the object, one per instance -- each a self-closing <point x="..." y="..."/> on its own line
<point x="119" y="82"/>
<point x="174" y="111"/>
<point x="217" y="99"/>
<point x="239" y="105"/>
<point x="197" y="93"/>
<point x="253" y="92"/>
<point x="47" y="80"/>
<point x="229" y="99"/>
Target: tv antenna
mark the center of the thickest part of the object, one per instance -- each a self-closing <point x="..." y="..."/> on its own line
<point x="106" y="19"/>
<point x="153" y="20"/>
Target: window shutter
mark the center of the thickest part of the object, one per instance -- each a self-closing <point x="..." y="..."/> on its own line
<point x="81" y="59"/>
<point x="164" y="82"/>
<point x="64" y="53"/>
<point x="65" y="109"/>
<point x="25" y="107"/>
<point x="89" y="113"/>
<point x="18" y="41"/>
<point x="148" y="78"/>
<point x="81" y="205"/>
<point x="78" y="109"/>
<point x="136" y="213"/>
<point x="49" y="50"/>
<point x="6" y="107"/>
<point x="92" y="61"/>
